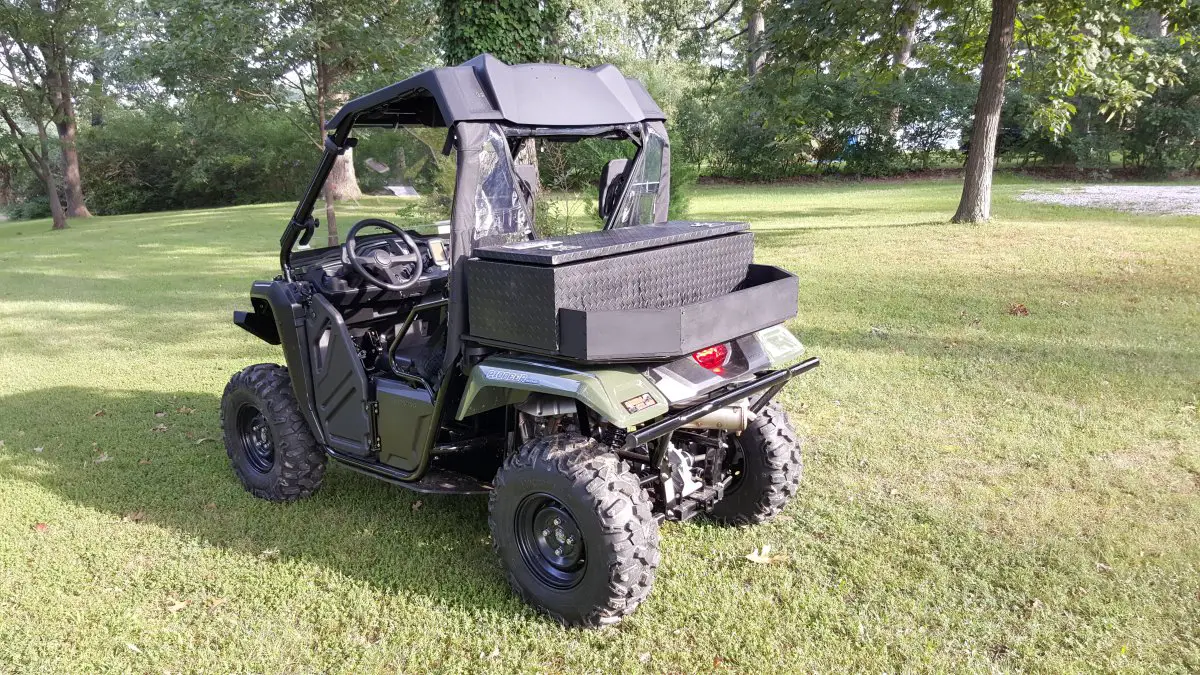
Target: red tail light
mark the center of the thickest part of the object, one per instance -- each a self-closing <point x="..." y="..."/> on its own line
<point x="713" y="357"/>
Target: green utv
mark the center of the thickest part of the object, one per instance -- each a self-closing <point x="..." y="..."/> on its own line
<point x="592" y="385"/>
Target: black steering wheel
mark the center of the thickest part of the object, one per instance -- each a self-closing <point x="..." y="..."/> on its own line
<point x="389" y="262"/>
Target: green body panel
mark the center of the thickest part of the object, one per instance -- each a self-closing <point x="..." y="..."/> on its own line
<point x="506" y="380"/>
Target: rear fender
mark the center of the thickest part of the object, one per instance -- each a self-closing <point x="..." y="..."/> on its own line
<point x="619" y="394"/>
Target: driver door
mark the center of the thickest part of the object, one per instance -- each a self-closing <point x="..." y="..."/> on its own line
<point x="339" y="382"/>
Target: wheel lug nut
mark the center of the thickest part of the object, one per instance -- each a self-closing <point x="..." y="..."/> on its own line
<point x="557" y="522"/>
<point x="558" y="551"/>
<point x="545" y="533"/>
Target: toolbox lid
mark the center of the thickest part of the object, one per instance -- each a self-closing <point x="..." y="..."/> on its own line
<point x="602" y="243"/>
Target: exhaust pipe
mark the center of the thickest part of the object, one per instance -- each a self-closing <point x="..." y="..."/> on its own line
<point x="732" y="418"/>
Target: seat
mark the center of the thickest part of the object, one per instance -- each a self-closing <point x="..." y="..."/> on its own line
<point x="422" y="356"/>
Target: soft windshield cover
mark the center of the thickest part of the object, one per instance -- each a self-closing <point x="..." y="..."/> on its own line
<point x="488" y="209"/>
<point x="501" y="212"/>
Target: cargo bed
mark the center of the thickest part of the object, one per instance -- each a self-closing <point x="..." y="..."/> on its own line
<point x="629" y="294"/>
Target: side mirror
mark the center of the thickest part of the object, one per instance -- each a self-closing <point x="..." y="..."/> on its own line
<point x="612" y="181"/>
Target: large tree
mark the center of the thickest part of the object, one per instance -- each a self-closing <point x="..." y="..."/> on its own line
<point x="976" y="202"/>
<point x="53" y="38"/>
<point x="24" y="102"/>
<point x="514" y="31"/>
<point x="1066" y="49"/>
<point x="291" y="55"/>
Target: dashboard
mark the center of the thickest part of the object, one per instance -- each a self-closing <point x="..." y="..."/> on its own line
<point x="329" y="269"/>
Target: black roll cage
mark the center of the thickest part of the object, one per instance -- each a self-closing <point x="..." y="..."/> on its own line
<point x="303" y="224"/>
<point x="530" y="100"/>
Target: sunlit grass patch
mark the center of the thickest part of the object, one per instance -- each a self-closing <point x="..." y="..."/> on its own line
<point x="985" y="488"/>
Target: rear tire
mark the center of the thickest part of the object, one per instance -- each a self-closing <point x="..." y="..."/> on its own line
<point x="574" y="530"/>
<point x="269" y="444"/>
<point x="772" y="465"/>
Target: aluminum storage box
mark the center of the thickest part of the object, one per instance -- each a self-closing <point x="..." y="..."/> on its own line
<point x="654" y="291"/>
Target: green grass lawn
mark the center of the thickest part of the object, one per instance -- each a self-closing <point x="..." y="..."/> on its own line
<point x="984" y="488"/>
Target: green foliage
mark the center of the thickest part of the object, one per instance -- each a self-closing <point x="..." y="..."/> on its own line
<point x="833" y="99"/>
<point x="30" y="208"/>
<point x="514" y="31"/>
<point x="562" y="213"/>
<point x="788" y="124"/>
<point x="1164" y="136"/>
<point x="570" y="175"/>
<point x="1093" y="83"/>
<point x="291" y="56"/>
<point x="683" y="183"/>
<point x="170" y="158"/>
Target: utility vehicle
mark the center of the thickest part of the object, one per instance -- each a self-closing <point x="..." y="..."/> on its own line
<point x="592" y="385"/>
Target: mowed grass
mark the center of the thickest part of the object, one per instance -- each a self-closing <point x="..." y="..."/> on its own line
<point x="984" y="488"/>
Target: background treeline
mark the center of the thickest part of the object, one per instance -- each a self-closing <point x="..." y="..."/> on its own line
<point x="194" y="103"/>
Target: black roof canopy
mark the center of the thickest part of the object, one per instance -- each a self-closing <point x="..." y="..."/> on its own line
<point x="486" y="89"/>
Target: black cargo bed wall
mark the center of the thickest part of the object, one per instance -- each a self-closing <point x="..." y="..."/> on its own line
<point x="518" y="304"/>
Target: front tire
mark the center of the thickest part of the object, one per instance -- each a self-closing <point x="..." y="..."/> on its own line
<point x="574" y="530"/>
<point x="269" y="444"/>
<point x="768" y="464"/>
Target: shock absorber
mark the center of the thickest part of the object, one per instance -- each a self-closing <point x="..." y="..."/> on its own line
<point x="614" y="437"/>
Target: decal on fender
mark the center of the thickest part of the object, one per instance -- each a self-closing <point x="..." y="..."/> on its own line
<point x="639" y="403"/>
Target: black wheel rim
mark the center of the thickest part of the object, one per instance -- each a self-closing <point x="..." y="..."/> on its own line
<point x="256" y="439"/>
<point x="550" y="541"/>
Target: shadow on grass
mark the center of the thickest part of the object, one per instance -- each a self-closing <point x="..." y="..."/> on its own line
<point x="179" y="479"/>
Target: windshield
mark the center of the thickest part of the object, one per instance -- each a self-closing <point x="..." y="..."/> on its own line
<point x="530" y="182"/>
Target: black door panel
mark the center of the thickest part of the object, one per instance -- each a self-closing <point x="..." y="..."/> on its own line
<point x="340" y="386"/>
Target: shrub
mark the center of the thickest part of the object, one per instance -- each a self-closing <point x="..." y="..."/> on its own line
<point x="164" y="158"/>
<point x="29" y="208"/>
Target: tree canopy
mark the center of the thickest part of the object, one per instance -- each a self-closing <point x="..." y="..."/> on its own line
<point x="755" y="89"/>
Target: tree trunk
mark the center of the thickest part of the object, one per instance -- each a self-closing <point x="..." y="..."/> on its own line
<point x="909" y="13"/>
<point x="58" y="86"/>
<point x="322" y="88"/>
<point x="6" y="173"/>
<point x="72" y="180"/>
<point x="756" y="26"/>
<point x="976" y="203"/>
<point x="326" y="194"/>
<point x="342" y="182"/>
<point x="330" y="218"/>
<point x="97" y="92"/>
<point x="1156" y="25"/>
<point x="57" y="217"/>
<point x="527" y="154"/>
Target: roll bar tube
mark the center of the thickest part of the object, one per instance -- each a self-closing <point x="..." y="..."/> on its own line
<point x="302" y="224"/>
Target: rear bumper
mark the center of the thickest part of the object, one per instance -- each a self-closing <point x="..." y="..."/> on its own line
<point x="768" y="385"/>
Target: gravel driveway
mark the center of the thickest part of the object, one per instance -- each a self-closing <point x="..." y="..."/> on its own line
<point x="1160" y="199"/>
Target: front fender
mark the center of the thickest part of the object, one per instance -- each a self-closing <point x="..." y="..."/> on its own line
<point x="619" y="394"/>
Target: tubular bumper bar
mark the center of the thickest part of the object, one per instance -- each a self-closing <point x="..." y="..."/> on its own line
<point x="771" y="384"/>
